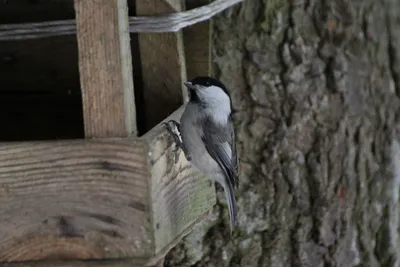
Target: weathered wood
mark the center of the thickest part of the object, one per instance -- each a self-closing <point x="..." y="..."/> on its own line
<point x="105" y="66"/>
<point x="77" y="199"/>
<point x="102" y="263"/>
<point x="197" y="40"/>
<point x="163" y="65"/>
<point x="96" y="199"/>
<point x="180" y="195"/>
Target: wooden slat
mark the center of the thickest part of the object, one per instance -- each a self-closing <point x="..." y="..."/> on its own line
<point x="105" y="66"/>
<point x="180" y="196"/>
<point x="163" y="65"/>
<point x="97" y="199"/>
<point x="78" y="199"/>
<point x="197" y="40"/>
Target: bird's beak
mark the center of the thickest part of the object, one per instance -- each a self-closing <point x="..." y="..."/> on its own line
<point x="189" y="85"/>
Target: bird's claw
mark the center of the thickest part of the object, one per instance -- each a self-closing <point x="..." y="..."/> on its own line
<point x="173" y="129"/>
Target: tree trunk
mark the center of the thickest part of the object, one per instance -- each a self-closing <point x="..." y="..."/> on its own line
<point x="316" y="88"/>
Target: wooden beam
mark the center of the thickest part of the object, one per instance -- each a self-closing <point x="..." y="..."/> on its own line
<point x="197" y="39"/>
<point x="78" y="199"/>
<point x="98" y="199"/>
<point x="105" y="66"/>
<point x="163" y="64"/>
<point x="180" y="196"/>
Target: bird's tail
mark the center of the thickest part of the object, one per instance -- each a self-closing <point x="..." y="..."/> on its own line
<point x="230" y="199"/>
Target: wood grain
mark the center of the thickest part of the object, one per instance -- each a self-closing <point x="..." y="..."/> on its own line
<point x="180" y="195"/>
<point x="163" y="65"/>
<point x="197" y="40"/>
<point x="176" y="4"/>
<point x="105" y="66"/>
<point x="97" y="199"/>
<point x="81" y="199"/>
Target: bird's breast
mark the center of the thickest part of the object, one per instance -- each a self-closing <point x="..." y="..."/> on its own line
<point x="191" y="137"/>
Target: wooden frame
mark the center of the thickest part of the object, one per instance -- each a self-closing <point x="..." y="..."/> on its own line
<point x="98" y="199"/>
<point x="163" y="62"/>
<point x="112" y="197"/>
<point x="105" y="66"/>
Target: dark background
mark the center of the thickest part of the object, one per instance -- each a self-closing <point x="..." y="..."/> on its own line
<point x="40" y="94"/>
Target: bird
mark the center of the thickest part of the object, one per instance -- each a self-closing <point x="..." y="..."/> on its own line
<point x="207" y="136"/>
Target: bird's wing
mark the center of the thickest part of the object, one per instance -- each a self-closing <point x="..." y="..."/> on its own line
<point x="220" y="144"/>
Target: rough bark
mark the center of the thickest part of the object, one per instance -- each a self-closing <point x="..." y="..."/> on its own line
<point x="316" y="87"/>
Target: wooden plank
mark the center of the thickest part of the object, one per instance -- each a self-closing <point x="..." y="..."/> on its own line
<point x="163" y="65"/>
<point x="105" y="65"/>
<point x="96" y="199"/>
<point x="74" y="199"/>
<point x="176" y="4"/>
<point x="181" y="196"/>
<point x="197" y="40"/>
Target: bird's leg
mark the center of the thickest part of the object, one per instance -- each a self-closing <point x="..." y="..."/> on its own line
<point x="174" y="130"/>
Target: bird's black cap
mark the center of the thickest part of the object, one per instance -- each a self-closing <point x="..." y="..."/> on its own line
<point x="209" y="81"/>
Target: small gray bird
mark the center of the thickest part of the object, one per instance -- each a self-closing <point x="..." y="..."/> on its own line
<point x="207" y="136"/>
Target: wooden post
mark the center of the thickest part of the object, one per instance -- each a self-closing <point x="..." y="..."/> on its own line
<point x="197" y="40"/>
<point x="105" y="66"/>
<point x="163" y="64"/>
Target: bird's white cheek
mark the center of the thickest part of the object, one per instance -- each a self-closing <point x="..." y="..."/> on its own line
<point x="217" y="99"/>
<point x="219" y="116"/>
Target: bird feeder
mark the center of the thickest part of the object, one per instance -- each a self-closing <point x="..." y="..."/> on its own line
<point x="112" y="198"/>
